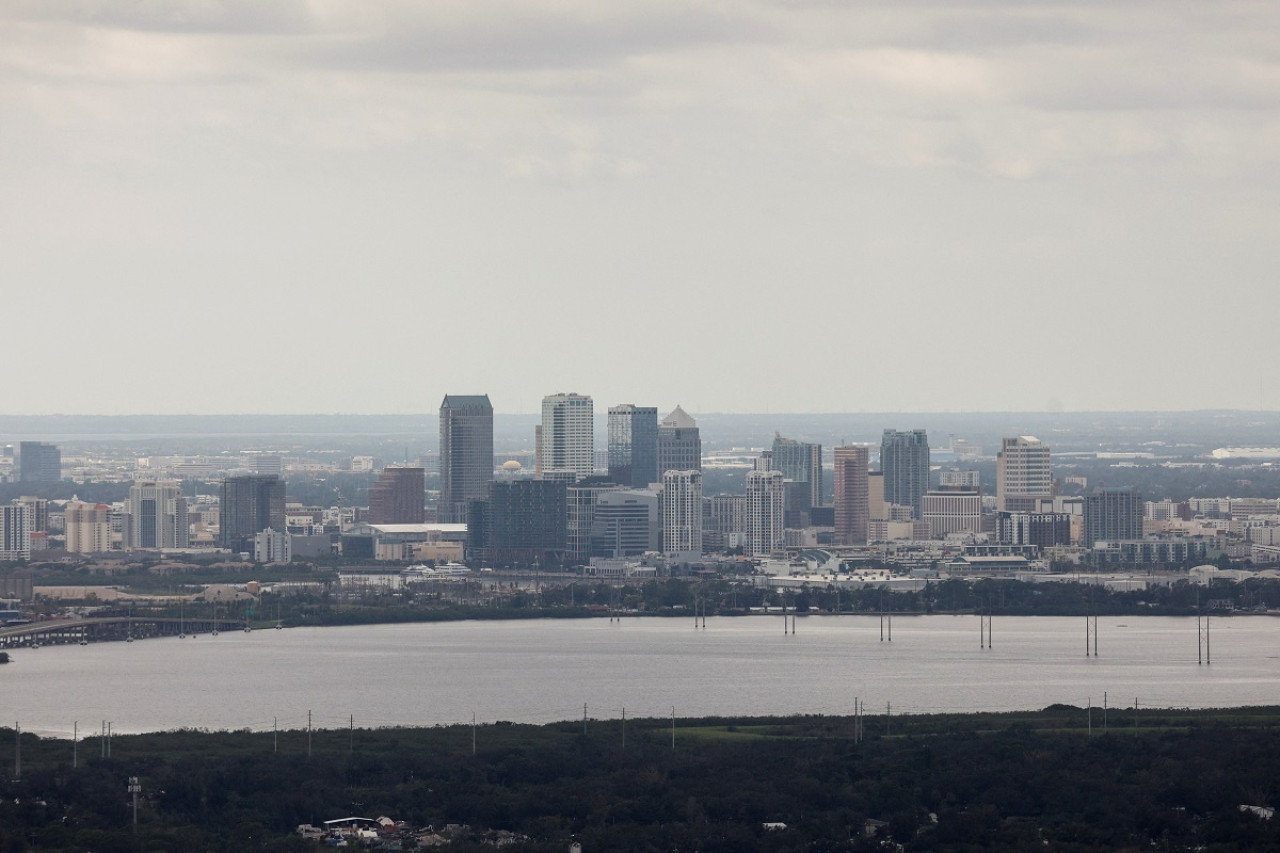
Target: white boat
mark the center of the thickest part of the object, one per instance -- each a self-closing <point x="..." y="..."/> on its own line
<point x="446" y="571"/>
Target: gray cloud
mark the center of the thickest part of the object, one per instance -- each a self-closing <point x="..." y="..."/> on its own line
<point x="524" y="37"/>
<point x="168" y="16"/>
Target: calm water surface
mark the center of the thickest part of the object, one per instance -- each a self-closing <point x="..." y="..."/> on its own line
<point x="544" y="670"/>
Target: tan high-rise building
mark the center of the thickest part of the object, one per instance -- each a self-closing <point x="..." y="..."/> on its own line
<point x="877" y="509"/>
<point x="1023" y="473"/>
<point x="852" y="506"/>
<point x="88" y="527"/>
<point x="399" y="495"/>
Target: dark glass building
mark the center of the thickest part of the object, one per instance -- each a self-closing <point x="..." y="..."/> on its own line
<point x="466" y="454"/>
<point x="39" y="462"/>
<point x="521" y="521"/>
<point x="249" y="505"/>
<point x="633" y="445"/>
<point x="904" y="461"/>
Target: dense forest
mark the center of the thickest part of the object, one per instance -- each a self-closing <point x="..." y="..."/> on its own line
<point x="1061" y="779"/>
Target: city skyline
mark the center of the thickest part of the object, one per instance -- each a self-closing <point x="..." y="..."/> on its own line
<point x="1062" y="189"/>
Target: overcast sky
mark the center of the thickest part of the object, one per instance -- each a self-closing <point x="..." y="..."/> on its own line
<point x="916" y="205"/>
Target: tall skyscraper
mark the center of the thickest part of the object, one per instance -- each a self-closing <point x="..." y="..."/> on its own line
<point x="157" y="516"/>
<point x="1024" y="473"/>
<point x="466" y="453"/>
<point x="765" y="531"/>
<point x="39" y="462"/>
<point x="904" y="460"/>
<point x="633" y="445"/>
<point x="568" y="436"/>
<point x="398" y="496"/>
<point x="679" y="444"/>
<point x="88" y="527"/>
<point x="682" y="512"/>
<point x="1111" y="515"/>
<point x="801" y="463"/>
<point x="248" y="505"/>
<point x="852" y="501"/>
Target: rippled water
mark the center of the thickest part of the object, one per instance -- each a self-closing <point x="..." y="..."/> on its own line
<point x="544" y="670"/>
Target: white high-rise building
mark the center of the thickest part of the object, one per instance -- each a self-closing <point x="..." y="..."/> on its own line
<point x="271" y="546"/>
<point x="88" y="527"/>
<point x="765" y="496"/>
<point x="157" y="516"/>
<point x="15" y="532"/>
<point x="566" y="441"/>
<point x="682" y="512"/>
<point x="1023" y="473"/>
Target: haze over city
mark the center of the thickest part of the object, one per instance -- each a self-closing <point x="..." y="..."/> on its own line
<point x="804" y="207"/>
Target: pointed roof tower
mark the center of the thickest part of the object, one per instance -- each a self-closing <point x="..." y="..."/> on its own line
<point x="679" y="419"/>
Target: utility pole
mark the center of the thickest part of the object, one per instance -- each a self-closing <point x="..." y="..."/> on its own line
<point x="275" y="735"/>
<point x="888" y="718"/>
<point x="308" y="734"/>
<point x="75" y="744"/>
<point x="473" y="732"/>
<point x="351" y="735"/>
<point x="624" y="728"/>
<point x="673" y="726"/>
<point x="17" y="752"/>
<point x="134" y="788"/>
<point x="584" y="719"/>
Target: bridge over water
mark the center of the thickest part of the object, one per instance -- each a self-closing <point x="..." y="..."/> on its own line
<point x="101" y="629"/>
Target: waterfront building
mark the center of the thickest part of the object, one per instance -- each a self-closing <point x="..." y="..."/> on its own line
<point x="1024" y="473"/>
<point x="247" y="505"/>
<point x="626" y="523"/>
<point x="521" y="521"/>
<point x="39" y="462"/>
<point x="566" y="442"/>
<point x="765" y="531"/>
<point x="580" y="511"/>
<point x="157" y="515"/>
<point x="682" y="512"/>
<point x="633" y="445"/>
<point x="399" y="496"/>
<point x="679" y="443"/>
<point x="852" y="506"/>
<point x="466" y="453"/>
<point x="904" y="461"/>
